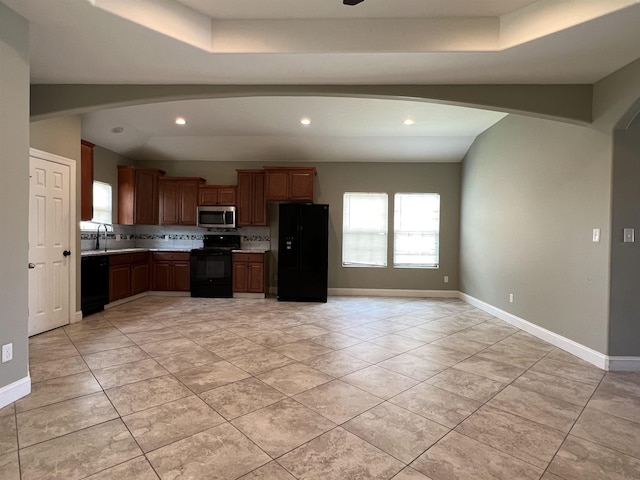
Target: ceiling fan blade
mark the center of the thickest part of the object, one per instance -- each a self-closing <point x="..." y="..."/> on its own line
<point x="352" y="2"/>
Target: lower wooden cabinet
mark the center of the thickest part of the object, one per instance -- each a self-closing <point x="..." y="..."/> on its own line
<point x="119" y="282"/>
<point x="140" y="272"/>
<point x="128" y="275"/>
<point x="171" y="272"/>
<point x="248" y="272"/>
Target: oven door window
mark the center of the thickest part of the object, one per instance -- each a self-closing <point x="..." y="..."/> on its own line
<point x="212" y="267"/>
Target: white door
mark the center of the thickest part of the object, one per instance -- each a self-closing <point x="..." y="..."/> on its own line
<point x="49" y="245"/>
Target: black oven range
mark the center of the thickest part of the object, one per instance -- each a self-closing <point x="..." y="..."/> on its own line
<point x="211" y="267"/>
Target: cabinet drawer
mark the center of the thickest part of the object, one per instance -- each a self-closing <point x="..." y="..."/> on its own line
<point x="120" y="259"/>
<point x="248" y="257"/>
<point x="142" y="257"/>
<point x="168" y="256"/>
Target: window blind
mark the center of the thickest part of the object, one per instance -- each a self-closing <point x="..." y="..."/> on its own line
<point x="364" y="229"/>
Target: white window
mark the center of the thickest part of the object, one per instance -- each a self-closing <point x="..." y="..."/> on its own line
<point x="416" y="230"/>
<point x="364" y="229"/>
<point x="102" y="212"/>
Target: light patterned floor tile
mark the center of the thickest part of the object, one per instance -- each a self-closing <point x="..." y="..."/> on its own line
<point x="221" y="449"/>
<point x="74" y="456"/>
<point x="341" y="455"/>
<point x="283" y="426"/>
<point x="462" y="458"/>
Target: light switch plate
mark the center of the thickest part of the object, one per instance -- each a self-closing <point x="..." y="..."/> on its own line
<point x="596" y="235"/>
<point x="629" y="235"/>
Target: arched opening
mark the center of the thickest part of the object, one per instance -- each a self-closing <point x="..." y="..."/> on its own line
<point x="624" y="320"/>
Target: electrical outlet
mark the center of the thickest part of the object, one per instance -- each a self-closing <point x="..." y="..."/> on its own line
<point x="511" y="298"/>
<point x="7" y="352"/>
<point x="446" y="279"/>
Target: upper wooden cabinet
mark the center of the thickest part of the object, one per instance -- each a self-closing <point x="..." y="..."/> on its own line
<point x="179" y="199"/>
<point x="138" y="195"/>
<point x="217" y="195"/>
<point x="252" y="209"/>
<point x="86" y="180"/>
<point x="289" y="184"/>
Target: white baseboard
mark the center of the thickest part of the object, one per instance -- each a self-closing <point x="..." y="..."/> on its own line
<point x="77" y="317"/>
<point x="623" y="364"/>
<point x="391" y="292"/>
<point x="600" y="360"/>
<point x="15" y="391"/>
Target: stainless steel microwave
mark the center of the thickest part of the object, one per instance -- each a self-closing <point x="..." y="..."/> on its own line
<point x="217" y="217"/>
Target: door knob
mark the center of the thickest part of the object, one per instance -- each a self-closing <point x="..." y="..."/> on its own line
<point x="32" y="265"/>
<point x="66" y="253"/>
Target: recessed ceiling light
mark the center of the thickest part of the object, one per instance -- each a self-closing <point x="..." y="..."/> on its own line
<point x="181" y="121"/>
<point x="305" y="121"/>
<point x="117" y="130"/>
<point x="408" y="121"/>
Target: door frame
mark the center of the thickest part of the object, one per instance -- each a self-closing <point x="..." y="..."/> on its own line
<point x="74" y="316"/>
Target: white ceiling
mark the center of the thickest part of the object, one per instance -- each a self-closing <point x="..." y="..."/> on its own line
<point x="317" y="42"/>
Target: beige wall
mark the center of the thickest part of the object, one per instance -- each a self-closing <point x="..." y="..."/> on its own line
<point x="532" y="191"/>
<point x="14" y="185"/>
<point x="332" y="181"/>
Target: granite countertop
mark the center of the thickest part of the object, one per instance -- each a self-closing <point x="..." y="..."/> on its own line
<point x="92" y="253"/>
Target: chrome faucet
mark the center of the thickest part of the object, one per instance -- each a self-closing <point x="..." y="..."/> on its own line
<point x="98" y="236"/>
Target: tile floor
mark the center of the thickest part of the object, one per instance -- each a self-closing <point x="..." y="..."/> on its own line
<point x="358" y="388"/>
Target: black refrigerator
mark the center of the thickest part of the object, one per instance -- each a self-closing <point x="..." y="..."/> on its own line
<point x="303" y="244"/>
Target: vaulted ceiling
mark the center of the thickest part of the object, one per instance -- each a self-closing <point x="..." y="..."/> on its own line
<point x="292" y="42"/>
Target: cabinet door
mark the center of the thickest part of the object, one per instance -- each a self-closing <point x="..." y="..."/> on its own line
<point x="188" y="201"/>
<point x="86" y="181"/>
<point x="227" y="196"/>
<point x="119" y="282"/>
<point x="208" y="195"/>
<point x="240" y="277"/>
<point x="301" y="186"/>
<point x="139" y="278"/>
<point x="259" y="214"/>
<point x="245" y="198"/>
<point x="146" y="198"/>
<point x="255" y="283"/>
<point x="181" y="279"/>
<point x="277" y="185"/>
<point x="162" y="276"/>
<point x="169" y="202"/>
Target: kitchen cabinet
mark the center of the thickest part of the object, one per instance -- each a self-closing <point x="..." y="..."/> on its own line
<point x="289" y="184"/>
<point x="171" y="271"/>
<point x="138" y="201"/>
<point x="178" y="200"/>
<point x="140" y="272"/>
<point x="128" y="275"/>
<point x="252" y="209"/>
<point x="119" y="277"/>
<point x="248" y="272"/>
<point x="86" y="180"/>
<point x="217" y="195"/>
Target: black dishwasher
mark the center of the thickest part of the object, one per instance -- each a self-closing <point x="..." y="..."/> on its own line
<point x="94" y="283"/>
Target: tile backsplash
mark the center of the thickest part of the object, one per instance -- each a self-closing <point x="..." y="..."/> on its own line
<point x="172" y="237"/>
